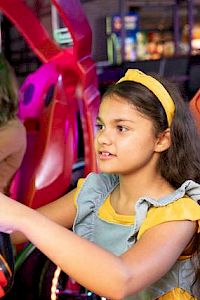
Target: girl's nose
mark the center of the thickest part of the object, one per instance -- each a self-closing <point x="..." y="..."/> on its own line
<point x="103" y="137"/>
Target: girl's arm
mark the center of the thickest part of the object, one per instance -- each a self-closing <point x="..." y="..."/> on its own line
<point x="61" y="211"/>
<point x="96" y="269"/>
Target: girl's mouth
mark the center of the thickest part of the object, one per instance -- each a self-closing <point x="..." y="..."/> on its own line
<point x="103" y="155"/>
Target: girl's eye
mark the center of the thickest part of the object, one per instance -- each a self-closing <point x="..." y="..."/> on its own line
<point x="99" y="126"/>
<point x="122" y="128"/>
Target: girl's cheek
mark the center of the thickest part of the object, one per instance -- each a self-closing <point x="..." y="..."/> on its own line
<point x="95" y="144"/>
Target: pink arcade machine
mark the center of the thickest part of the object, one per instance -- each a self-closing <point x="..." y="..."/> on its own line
<point x="51" y="123"/>
<point x="58" y="105"/>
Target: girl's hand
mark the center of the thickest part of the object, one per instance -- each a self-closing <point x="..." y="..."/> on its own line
<point x="11" y="212"/>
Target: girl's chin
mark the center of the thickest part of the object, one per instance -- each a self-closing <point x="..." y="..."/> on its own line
<point x="106" y="170"/>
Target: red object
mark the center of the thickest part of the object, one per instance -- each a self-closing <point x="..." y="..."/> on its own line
<point x="2" y="293"/>
<point x="195" y="108"/>
<point x="50" y="99"/>
<point x="3" y="280"/>
<point x="50" y="120"/>
<point x="52" y="132"/>
<point x="27" y="23"/>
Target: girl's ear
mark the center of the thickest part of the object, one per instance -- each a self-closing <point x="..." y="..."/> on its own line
<point x="163" y="141"/>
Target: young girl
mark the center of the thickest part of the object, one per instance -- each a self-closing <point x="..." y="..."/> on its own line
<point x="136" y="223"/>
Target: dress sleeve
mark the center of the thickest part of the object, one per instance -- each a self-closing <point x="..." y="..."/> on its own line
<point x="180" y="210"/>
<point x="79" y="185"/>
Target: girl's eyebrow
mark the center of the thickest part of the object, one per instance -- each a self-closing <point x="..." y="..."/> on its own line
<point x="98" y="119"/>
<point x="123" y="120"/>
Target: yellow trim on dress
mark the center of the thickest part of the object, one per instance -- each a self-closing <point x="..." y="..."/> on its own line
<point x="177" y="294"/>
<point x="182" y="209"/>
<point x="107" y="213"/>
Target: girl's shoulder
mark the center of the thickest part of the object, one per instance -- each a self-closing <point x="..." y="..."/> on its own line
<point x="184" y="208"/>
<point x="96" y="184"/>
<point x="98" y="180"/>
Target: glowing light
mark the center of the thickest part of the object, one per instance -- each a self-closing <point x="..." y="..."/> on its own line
<point x="54" y="290"/>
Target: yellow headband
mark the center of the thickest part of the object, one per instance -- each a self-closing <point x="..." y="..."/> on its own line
<point x="156" y="87"/>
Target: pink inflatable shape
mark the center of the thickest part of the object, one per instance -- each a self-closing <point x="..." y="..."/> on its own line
<point x="52" y="146"/>
<point x="34" y="90"/>
<point x="52" y="129"/>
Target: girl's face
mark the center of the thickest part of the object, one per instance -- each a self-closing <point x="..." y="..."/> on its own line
<point x="125" y="140"/>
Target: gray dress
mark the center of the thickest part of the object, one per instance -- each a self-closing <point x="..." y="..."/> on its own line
<point x="118" y="238"/>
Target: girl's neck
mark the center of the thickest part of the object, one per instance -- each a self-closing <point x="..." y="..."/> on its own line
<point x="156" y="187"/>
<point x="131" y="188"/>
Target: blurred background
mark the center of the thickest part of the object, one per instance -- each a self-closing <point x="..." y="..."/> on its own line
<point x="152" y="35"/>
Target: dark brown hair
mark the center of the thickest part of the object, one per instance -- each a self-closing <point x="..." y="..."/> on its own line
<point x="182" y="160"/>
